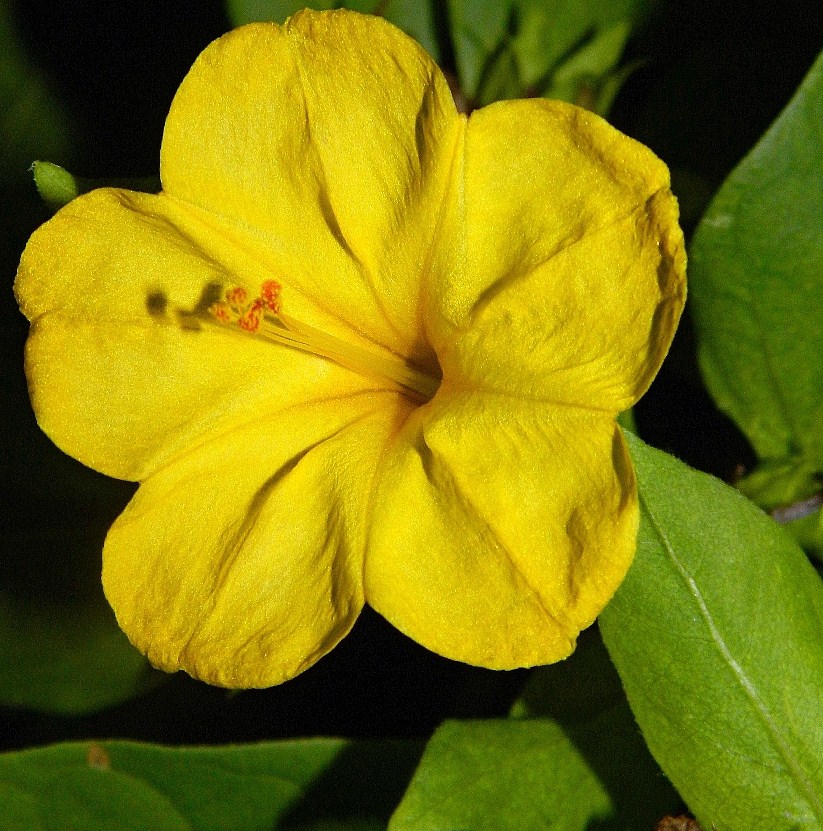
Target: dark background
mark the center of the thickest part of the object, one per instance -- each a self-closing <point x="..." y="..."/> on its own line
<point x="714" y="76"/>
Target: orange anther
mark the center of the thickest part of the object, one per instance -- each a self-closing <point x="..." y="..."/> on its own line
<point x="270" y="295"/>
<point x="250" y="319"/>
<point x="221" y="312"/>
<point x="236" y="296"/>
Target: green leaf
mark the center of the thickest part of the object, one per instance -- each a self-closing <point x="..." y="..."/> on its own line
<point x="789" y="489"/>
<point x="61" y="650"/>
<point x="717" y="633"/>
<point x="807" y="528"/>
<point x="533" y="40"/>
<point x="242" y="12"/>
<point x="479" y="31"/>
<point x="570" y="758"/>
<point x="306" y="784"/>
<point x="626" y="421"/>
<point x="415" y="18"/>
<point x="501" y="776"/>
<point x="756" y="283"/>
<point x="67" y="659"/>
<point x="588" y="69"/>
<point x="585" y="697"/>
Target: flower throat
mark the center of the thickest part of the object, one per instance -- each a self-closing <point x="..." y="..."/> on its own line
<point x="263" y="318"/>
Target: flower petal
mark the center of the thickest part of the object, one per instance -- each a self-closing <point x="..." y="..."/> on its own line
<point x="501" y="528"/>
<point x="241" y="563"/>
<point x="120" y="375"/>
<point x="330" y="140"/>
<point x="570" y="280"/>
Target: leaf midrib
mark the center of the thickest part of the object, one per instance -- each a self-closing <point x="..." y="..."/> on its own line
<point x="779" y="741"/>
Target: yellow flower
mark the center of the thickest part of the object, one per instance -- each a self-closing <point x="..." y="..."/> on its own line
<point x="360" y="349"/>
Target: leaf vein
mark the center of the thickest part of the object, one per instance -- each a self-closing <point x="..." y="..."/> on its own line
<point x="779" y="741"/>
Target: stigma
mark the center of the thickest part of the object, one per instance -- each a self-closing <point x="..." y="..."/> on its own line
<point x="262" y="317"/>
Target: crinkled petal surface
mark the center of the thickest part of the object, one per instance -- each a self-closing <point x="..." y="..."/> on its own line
<point x="328" y="144"/>
<point x="258" y="459"/>
<point x="556" y="294"/>
<point x="501" y="527"/>
<point x="530" y="254"/>
<point x="125" y="377"/>
<point x="241" y="562"/>
<point x="117" y="377"/>
<point x="567" y="273"/>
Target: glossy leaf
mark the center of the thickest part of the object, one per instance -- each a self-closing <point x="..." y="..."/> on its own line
<point x="756" y="283"/>
<point x="717" y="633"/>
<point x="305" y="784"/>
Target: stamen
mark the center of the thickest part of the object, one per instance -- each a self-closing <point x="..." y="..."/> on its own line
<point x="236" y="297"/>
<point x="250" y="319"/>
<point x="263" y="318"/>
<point x="270" y="295"/>
<point x="221" y="312"/>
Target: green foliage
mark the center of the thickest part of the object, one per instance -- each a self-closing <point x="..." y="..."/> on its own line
<point x="571" y="758"/>
<point x="756" y="284"/>
<point x="585" y="697"/>
<point x="312" y="784"/>
<point x="716" y="633"/>
<point x="66" y="657"/>
<point x="56" y="186"/>
<point x="561" y="49"/>
<point x="501" y="776"/>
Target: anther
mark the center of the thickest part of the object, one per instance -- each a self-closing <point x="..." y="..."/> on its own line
<point x="250" y="319"/>
<point x="262" y="317"/>
<point x="236" y="297"/>
<point x="270" y="295"/>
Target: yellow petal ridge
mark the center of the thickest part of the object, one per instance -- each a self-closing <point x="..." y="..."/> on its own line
<point x="501" y="565"/>
<point x="421" y="419"/>
<point x="570" y="272"/>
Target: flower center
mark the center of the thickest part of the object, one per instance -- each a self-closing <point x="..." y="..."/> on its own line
<point x="262" y="317"/>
